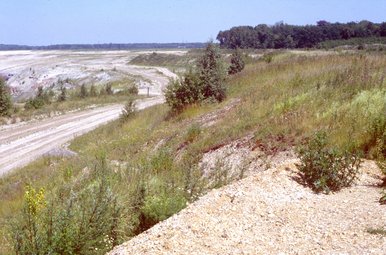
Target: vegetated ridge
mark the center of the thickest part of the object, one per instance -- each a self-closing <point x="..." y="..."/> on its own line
<point x="257" y="123"/>
<point x="282" y="35"/>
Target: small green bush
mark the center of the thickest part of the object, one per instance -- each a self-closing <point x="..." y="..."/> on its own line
<point x="128" y="111"/>
<point x="82" y="217"/>
<point x="132" y="90"/>
<point x="327" y="169"/>
<point x="83" y="91"/>
<point x="160" y="207"/>
<point x="42" y="98"/>
<point x="5" y="99"/>
<point x="237" y="63"/>
<point x="63" y="94"/>
<point x="204" y="83"/>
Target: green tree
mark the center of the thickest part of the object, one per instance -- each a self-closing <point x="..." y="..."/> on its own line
<point x="212" y="73"/>
<point x="237" y="63"/>
<point x="5" y="99"/>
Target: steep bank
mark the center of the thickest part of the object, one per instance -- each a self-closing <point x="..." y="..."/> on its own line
<point x="270" y="213"/>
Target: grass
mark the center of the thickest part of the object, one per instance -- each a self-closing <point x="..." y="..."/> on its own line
<point x="282" y="103"/>
<point x="75" y="102"/>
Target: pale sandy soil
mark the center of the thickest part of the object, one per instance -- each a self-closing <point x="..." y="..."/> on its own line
<point x="270" y="213"/>
<point x="22" y="143"/>
<point x="25" y="71"/>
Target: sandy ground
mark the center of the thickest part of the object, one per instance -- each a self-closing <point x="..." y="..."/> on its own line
<point x="270" y="213"/>
<point x="24" y="142"/>
<point x="25" y="71"/>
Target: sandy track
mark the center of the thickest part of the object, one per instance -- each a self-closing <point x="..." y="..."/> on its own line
<point x="24" y="143"/>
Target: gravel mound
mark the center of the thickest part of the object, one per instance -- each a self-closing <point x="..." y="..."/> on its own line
<point x="270" y="213"/>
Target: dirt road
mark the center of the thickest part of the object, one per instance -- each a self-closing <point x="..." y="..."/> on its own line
<point x="23" y="143"/>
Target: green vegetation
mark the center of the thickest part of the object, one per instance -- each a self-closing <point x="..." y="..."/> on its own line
<point x="5" y="99"/>
<point x="379" y="43"/>
<point x="47" y="102"/>
<point x="152" y="159"/>
<point x="237" y="63"/>
<point x="80" y="217"/>
<point x="327" y="169"/>
<point x="206" y="83"/>
<point x="287" y="36"/>
<point x="128" y="111"/>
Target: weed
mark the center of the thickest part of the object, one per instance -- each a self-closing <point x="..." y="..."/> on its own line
<point x="327" y="169"/>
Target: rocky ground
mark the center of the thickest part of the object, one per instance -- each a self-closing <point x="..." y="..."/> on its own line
<point x="269" y="212"/>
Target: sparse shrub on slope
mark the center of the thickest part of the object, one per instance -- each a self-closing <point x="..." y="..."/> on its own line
<point x="237" y="63"/>
<point x="128" y="111"/>
<point x="185" y="91"/>
<point x="205" y="83"/>
<point x="63" y="94"/>
<point x="83" y="91"/>
<point x="82" y="217"/>
<point x="212" y="73"/>
<point x="5" y="99"/>
<point x="327" y="169"/>
<point x="42" y="98"/>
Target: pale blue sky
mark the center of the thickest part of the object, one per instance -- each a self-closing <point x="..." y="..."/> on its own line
<point x="44" y="22"/>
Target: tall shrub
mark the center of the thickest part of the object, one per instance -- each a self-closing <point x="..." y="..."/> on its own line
<point x="5" y="99"/>
<point x="237" y="62"/>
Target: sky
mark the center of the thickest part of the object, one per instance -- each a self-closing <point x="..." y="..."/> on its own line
<point x="45" y="22"/>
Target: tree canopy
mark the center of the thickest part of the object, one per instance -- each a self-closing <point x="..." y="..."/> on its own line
<point x="282" y="35"/>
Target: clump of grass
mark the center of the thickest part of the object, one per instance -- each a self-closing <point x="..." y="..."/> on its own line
<point x="377" y="231"/>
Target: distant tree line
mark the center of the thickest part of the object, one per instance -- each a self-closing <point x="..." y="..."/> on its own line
<point x="105" y="46"/>
<point x="282" y="35"/>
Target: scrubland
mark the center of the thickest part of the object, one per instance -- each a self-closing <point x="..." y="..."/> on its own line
<point x="130" y="175"/>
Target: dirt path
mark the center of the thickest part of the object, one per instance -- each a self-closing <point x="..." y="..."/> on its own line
<point x="23" y="143"/>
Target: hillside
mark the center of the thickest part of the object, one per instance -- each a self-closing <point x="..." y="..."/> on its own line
<point x="270" y="213"/>
<point x="133" y="174"/>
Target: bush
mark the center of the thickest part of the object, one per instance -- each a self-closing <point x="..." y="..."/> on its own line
<point x="109" y="89"/>
<point x="83" y="91"/>
<point x="159" y="207"/>
<point x="132" y="90"/>
<point x="327" y="169"/>
<point x="237" y="63"/>
<point x="185" y="91"/>
<point x="81" y="218"/>
<point x="205" y="83"/>
<point x="128" y="111"/>
<point x="63" y="94"/>
<point x="5" y="99"/>
<point x="212" y="73"/>
<point x="93" y="91"/>
<point x="42" y="98"/>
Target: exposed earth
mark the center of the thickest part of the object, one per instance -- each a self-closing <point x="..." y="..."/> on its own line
<point x="270" y="213"/>
<point x="25" y="71"/>
<point x="22" y="143"/>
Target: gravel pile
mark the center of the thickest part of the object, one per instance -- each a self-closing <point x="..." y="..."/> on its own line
<point x="270" y="213"/>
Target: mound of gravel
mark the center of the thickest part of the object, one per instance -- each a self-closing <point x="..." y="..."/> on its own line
<point x="270" y="213"/>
